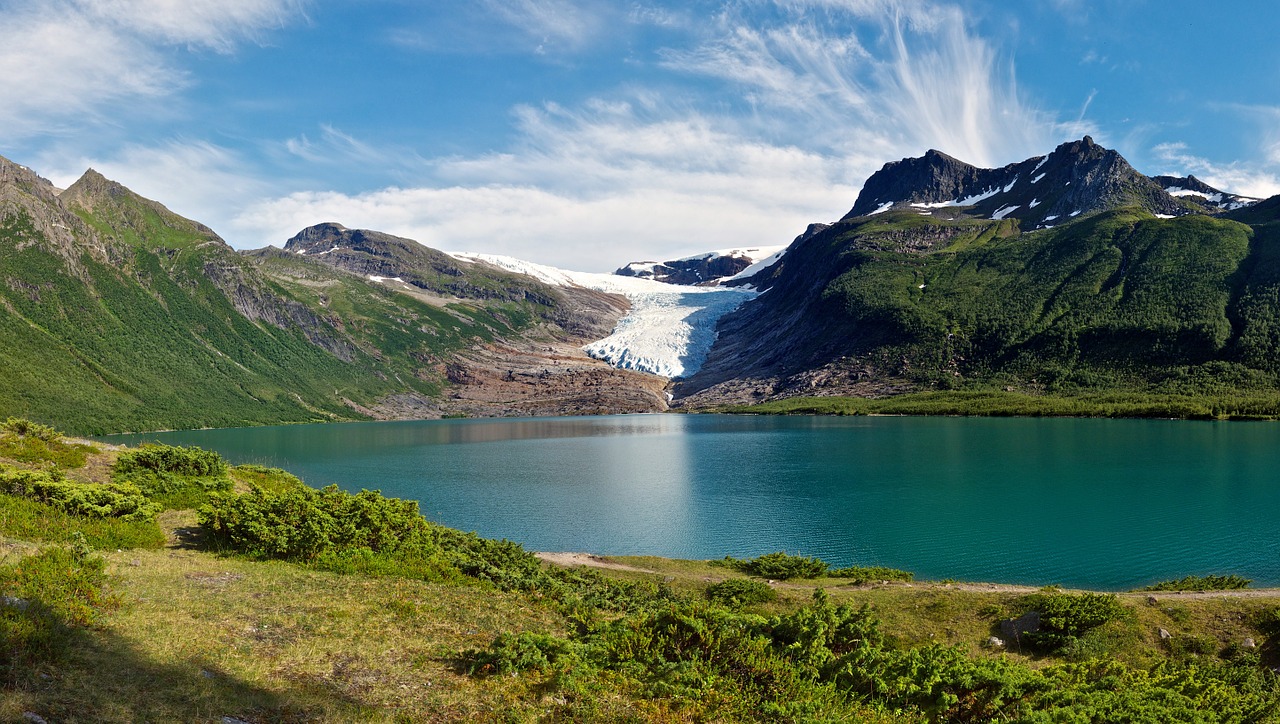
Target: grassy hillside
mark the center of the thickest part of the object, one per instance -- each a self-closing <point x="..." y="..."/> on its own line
<point x="356" y="608"/>
<point x="1118" y="301"/>
<point x="120" y="315"/>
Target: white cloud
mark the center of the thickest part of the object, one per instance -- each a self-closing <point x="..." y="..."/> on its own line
<point x="195" y="179"/>
<point x="590" y="190"/>
<point x="557" y="23"/>
<point x="1248" y="179"/>
<point x="66" y="64"/>
<point x="928" y="83"/>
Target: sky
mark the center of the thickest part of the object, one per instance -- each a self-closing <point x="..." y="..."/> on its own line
<point x="588" y="134"/>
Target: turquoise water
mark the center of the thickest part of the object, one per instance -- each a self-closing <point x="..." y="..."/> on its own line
<point x="1108" y="504"/>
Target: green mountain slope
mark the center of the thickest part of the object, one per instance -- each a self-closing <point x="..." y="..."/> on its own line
<point x="120" y="315"/>
<point x="1118" y="299"/>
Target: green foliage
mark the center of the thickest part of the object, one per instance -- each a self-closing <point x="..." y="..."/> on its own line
<point x="114" y="500"/>
<point x="30" y="442"/>
<point x="738" y="592"/>
<point x="779" y="565"/>
<point x="26" y="428"/>
<point x="177" y="477"/>
<point x="31" y="520"/>
<point x="272" y="480"/>
<point x="47" y="596"/>
<point x="863" y="574"/>
<point x="1202" y="583"/>
<point x="1064" y="617"/>
<point x="302" y="523"/>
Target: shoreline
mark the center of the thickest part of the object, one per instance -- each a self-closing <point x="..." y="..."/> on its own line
<point x="571" y="559"/>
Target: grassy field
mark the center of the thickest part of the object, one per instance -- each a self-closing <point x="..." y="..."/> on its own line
<point x="180" y="627"/>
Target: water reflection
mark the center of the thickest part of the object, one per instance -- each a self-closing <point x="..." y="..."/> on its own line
<point x="1102" y="503"/>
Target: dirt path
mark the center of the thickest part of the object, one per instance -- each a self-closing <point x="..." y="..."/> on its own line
<point x="586" y="559"/>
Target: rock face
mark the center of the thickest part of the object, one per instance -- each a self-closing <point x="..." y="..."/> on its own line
<point x="1014" y="629"/>
<point x="1077" y="178"/>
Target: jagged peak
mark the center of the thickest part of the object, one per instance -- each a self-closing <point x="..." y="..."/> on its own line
<point x="1077" y="177"/>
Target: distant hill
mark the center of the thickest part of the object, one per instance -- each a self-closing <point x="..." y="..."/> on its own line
<point x="118" y="315"/>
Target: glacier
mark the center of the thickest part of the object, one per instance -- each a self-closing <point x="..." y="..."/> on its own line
<point x="670" y="328"/>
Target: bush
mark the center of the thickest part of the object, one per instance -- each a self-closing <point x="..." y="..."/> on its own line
<point x="31" y="442"/>
<point x="31" y="520"/>
<point x="26" y="428"/>
<point x="1064" y="616"/>
<point x="273" y="480"/>
<point x="862" y="574"/>
<point x="737" y="592"/>
<point x="123" y="501"/>
<point x="1202" y="583"/>
<point x="177" y="477"/>
<point x="779" y="566"/>
<point x="302" y="523"/>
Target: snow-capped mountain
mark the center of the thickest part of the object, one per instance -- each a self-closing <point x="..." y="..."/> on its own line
<point x="1077" y="178"/>
<point x="1193" y="190"/>
<point x="707" y="269"/>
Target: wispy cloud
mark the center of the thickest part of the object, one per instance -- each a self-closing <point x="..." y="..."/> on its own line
<point x="65" y="63"/>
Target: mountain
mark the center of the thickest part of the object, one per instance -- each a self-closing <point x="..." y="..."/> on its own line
<point x="708" y="269"/>
<point x="118" y="314"/>
<point x="945" y="275"/>
<point x="1076" y="178"/>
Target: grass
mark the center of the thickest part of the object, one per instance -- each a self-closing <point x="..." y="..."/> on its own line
<point x="1015" y="404"/>
<point x="184" y="633"/>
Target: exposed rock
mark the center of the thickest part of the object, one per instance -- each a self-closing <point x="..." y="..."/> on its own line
<point x="1152" y="601"/>
<point x="14" y="602"/>
<point x="1014" y="629"/>
<point x="1164" y="634"/>
<point x="32" y="717"/>
<point x="1249" y="643"/>
<point x="995" y="642"/>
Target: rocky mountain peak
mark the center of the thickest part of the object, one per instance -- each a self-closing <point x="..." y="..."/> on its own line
<point x="1077" y="177"/>
<point x="130" y="211"/>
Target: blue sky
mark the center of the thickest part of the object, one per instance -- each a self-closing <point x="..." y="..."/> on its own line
<point x="589" y="134"/>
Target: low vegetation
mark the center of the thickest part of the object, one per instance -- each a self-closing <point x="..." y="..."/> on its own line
<point x="1202" y="583"/>
<point x="299" y="604"/>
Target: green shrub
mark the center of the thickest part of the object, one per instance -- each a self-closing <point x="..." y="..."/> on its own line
<point x="273" y="480"/>
<point x="31" y="442"/>
<point x="176" y="477"/>
<point x="123" y="500"/>
<point x="736" y="592"/>
<point x="302" y="523"/>
<point x="1202" y="583"/>
<point x="862" y="574"/>
<point x="47" y="596"/>
<point x="27" y="519"/>
<point x="779" y="566"/>
<point x="27" y="428"/>
<point x="1064" y="616"/>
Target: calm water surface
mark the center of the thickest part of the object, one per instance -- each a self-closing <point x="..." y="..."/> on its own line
<point x="1106" y="504"/>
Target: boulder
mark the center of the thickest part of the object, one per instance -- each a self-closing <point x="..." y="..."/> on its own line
<point x="1013" y="629"/>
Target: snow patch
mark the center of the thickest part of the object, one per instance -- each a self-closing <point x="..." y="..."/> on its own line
<point x="1074" y="213"/>
<point x="670" y="328"/>
<point x="760" y="264"/>
<point x="1164" y="216"/>
<point x="1043" y="160"/>
<point x="378" y="279"/>
<point x="967" y="201"/>
<point x="1003" y="212"/>
<point x="1034" y="203"/>
<point x="1011" y="183"/>
<point x="1036" y="180"/>
<point x="882" y="208"/>
<point x="1051" y="217"/>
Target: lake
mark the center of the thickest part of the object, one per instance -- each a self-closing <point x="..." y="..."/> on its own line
<point x="1104" y="504"/>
